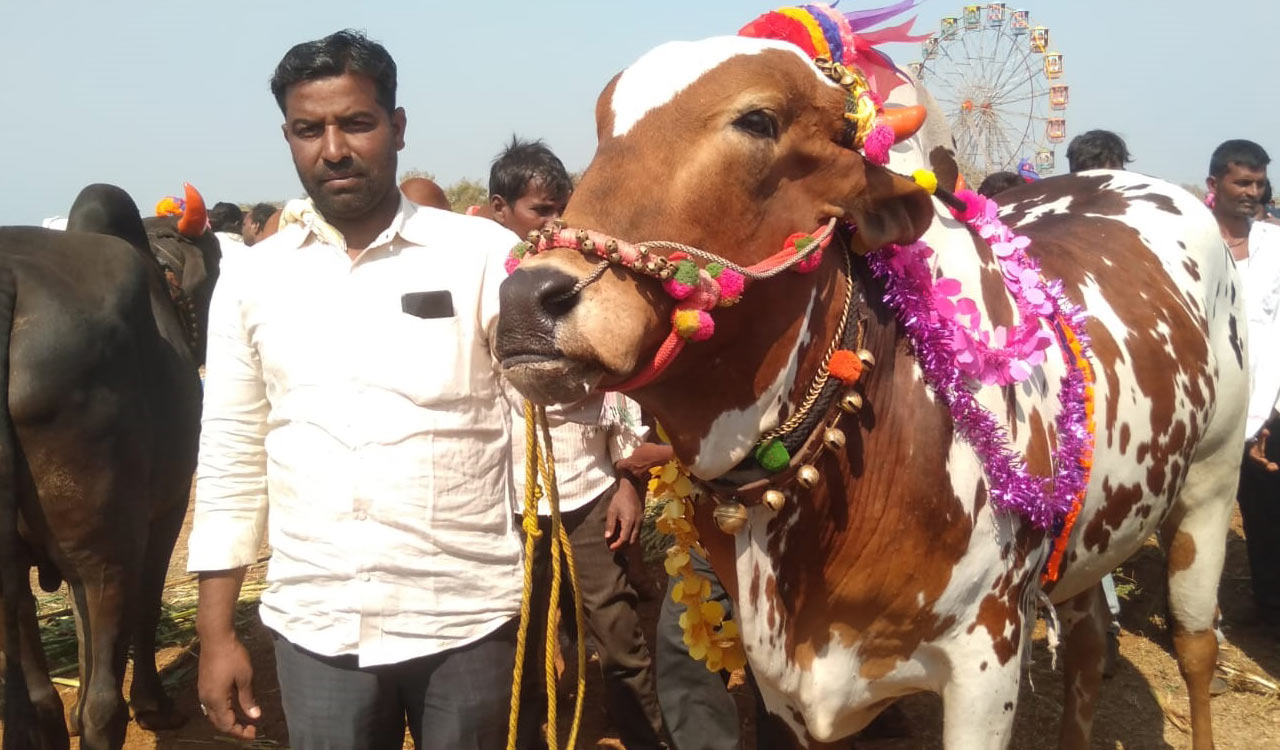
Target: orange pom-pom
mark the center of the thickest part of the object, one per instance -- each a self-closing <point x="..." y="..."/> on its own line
<point x="846" y="366"/>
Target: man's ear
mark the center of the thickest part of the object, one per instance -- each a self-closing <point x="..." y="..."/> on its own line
<point x="887" y="208"/>
<point x="398" y="123"/>
<point x="1211" y="183"/>
<point x="498" y="205"/>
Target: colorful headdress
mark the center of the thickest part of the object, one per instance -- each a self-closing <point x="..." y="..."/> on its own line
<point x="842" y="48"/>
<point x="170" y="205"/>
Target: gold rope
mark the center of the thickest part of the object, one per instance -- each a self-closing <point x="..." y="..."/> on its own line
<point x="539" y="460"/>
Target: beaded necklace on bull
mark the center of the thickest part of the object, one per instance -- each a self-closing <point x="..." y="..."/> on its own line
<point x="945" y="334"/>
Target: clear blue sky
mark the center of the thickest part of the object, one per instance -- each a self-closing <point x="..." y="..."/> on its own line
<point x="147" y="95"/>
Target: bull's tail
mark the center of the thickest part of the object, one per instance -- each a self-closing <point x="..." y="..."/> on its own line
<point x="19" y="714"/>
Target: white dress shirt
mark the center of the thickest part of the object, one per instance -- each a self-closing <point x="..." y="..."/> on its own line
<point x="232" y="245"/>
<point x="587" y="438"/>
<point x="374" y="443"/>
<point x="1260" y="274"/>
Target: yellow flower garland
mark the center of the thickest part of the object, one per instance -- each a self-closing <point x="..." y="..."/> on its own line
<point x="710" y="638"/>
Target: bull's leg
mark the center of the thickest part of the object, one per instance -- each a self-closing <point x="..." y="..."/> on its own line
<point x="980" y="696"/>
<point x="1194" y="537"/>
<point x="100" y="714"/>
<point x="44" y="696"/>
<point x="153" y="708"/>
<point x="1084" y="627"/>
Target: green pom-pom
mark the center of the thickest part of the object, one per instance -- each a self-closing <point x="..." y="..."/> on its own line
<point x="521" y="250"/>
<point x="773" y="456"/>
<point x="687" y="273"/>
<point x="803" y="244"/>
<point x="714" y="269"/>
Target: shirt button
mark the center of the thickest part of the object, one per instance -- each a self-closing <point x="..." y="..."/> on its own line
<point x="364" y="577"/>
<point x="361" y="515"/>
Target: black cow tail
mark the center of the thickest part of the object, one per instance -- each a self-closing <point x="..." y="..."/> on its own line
<point x="19" y="714"/>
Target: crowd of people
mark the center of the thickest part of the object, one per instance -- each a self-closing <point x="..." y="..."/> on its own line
<point x="354" y="415"/>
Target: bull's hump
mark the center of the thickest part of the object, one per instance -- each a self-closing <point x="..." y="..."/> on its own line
<point x="666" y="70"/>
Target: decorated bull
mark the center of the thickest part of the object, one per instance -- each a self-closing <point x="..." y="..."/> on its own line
<point x="100" y="344"/>
<point x="916" y="415"/>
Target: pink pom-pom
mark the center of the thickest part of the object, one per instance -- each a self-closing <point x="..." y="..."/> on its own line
<point x="510" y="263"/>
<point x="810" y="262"/>
<point x="973" y="206"/>
<point x="677" y="289"/>
<point x="732" y="285"/>
<point x="878" y="143"/>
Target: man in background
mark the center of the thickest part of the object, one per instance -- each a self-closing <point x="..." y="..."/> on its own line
<point x="1237" y="179"/>
<point x="255" y="223"/>
<point x="1097" y="149"/>
<point x="594" y="442"/>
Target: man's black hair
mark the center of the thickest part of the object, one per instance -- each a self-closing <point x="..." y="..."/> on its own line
<point x="1245" y="153"/>
<point x="525" y="163"/>
<point x="225" y="217"/>
<point x="1266" y="195"/>
<point x="998" y="182"/>
<point x="1097" y="149"/>
<point x="346" y="51"/>
<point x="260" y="213"/>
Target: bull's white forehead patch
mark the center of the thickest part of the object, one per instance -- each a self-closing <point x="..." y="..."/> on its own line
<point x="668" y="69"/>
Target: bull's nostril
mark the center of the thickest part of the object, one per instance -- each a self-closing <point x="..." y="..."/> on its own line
<point x="556" y="293"/>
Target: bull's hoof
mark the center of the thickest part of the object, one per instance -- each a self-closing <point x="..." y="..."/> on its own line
<point x="159" y="720"/>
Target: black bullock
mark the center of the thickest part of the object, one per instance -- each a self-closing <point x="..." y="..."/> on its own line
<point x="100" y="341"/>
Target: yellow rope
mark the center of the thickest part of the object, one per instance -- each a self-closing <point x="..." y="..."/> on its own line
<point x="540" y="460"/>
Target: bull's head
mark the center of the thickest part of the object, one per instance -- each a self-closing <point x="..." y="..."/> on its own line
<point x="730" y="145"/>
<point x="189" y="252"/>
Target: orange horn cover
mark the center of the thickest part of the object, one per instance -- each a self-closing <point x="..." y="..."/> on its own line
<point x="904" y="121"/>
<point x="195" y="219"/>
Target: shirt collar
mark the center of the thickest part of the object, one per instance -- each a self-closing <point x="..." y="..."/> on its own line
<point x="302" y="213"/>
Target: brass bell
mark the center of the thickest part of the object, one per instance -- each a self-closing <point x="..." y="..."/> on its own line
<point x="833" y="438"/>
<point x="774" y="499"/>
<point x="868" y="359"/>
<point x="730" y="517"/>
<point x="851" y="402"/>
<point x="807" y="476"/>
<point x="588" y="246"/>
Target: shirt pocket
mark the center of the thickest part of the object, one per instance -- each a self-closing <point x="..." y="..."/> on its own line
<point x="426" y="360"/>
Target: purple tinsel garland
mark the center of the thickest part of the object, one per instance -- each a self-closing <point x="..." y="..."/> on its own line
<point x="1011" y="487"/>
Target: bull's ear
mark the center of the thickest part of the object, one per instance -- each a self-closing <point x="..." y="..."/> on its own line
<point x="887" y="209"/>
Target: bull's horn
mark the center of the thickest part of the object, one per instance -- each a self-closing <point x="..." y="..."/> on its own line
<point x="195" y="218"/>
<point x="904" y="121"/>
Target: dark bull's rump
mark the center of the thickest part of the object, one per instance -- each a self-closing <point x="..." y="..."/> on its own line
<point x="98" y="442"/>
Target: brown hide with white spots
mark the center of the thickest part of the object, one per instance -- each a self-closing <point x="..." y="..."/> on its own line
<point x="894" y="574"/>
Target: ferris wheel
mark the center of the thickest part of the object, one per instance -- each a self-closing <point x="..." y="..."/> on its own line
<point x="1000" y="83"/>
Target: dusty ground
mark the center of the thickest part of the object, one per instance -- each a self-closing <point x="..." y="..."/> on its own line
<point x="1143" y="708"/>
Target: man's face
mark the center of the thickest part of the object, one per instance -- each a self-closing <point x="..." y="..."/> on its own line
<point x="343" y="142"/>
<point x="534" y="209"/>
<point x="248" y="230"/>
<point x="1238" y="191"/>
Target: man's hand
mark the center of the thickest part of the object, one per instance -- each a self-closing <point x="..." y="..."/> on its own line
<point x="622" y="523"/>
<point x="225" y="687"/>
<point x="643" y="458"/>
<point x="1256" y="453"/>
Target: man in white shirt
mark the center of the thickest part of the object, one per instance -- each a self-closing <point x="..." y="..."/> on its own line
<point x="1237" y="179"/>
<point x="226" y="220"/>
<point x="352" y="405"/>
<point x="602" y="510"/>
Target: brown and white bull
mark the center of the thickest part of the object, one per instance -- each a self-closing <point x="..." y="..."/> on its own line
<point x="894" y="574"/>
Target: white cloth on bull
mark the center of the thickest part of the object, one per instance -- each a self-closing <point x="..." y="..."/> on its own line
<point x="1260" y="275"/>
<point x="354" y="407"/>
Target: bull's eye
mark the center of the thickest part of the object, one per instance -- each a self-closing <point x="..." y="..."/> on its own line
<point x="758" y="122"/>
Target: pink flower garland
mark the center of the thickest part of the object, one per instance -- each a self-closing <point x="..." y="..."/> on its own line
<point x="953" y="353"/>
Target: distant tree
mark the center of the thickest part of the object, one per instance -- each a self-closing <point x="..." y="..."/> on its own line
<point x="409" y="174"/>
<point x="466" y="193"/>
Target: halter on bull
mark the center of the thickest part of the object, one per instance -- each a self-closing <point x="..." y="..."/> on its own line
<point x="891" y="570"/>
